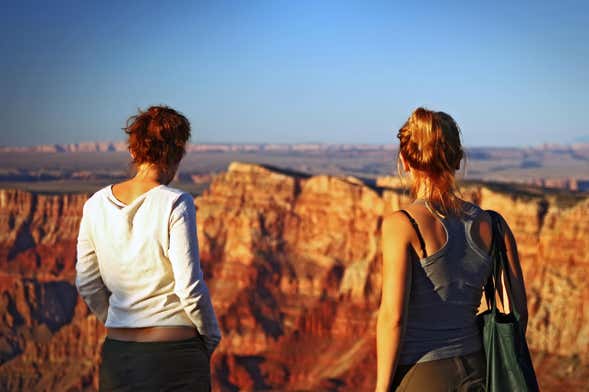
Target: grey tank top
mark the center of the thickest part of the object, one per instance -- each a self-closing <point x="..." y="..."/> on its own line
<point x="446" y="290"/>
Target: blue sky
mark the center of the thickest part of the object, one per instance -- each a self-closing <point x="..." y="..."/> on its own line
<point x="511" y="73"/>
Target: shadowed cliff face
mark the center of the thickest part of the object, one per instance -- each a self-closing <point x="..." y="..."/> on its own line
<point x="293" y="264"/>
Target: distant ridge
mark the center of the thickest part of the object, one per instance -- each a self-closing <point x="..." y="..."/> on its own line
<point x="114" y="146"/>
<point x="72" y="147"/>
<point x="216" y="147"/>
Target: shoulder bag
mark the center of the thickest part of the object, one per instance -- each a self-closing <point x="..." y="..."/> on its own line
<point x="509" y="365"/>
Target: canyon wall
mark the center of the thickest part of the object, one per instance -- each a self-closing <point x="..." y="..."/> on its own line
<point x="293" y="265"/>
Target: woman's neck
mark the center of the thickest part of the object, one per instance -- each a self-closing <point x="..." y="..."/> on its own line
<point x="422" y="193"/>
<point x="148" y="173"/>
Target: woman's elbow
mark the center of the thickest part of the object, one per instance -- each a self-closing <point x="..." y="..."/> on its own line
<point x="84" y="287"/>
<point x="390" y="319"/>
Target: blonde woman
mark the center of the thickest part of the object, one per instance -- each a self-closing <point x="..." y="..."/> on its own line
<point x="435" y="264"/>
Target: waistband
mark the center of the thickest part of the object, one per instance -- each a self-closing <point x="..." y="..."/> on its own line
<point x="472" y="356"/>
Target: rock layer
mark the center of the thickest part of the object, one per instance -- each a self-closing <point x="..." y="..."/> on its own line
<point x="293" y="264"/>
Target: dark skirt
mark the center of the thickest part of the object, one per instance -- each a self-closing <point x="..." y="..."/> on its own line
<point x="181" y="365"/>
<point x="465" y="373"/>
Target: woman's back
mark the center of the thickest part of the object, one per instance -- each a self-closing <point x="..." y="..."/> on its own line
<point x="446" y="283"/>
<point x="132" y="245"/>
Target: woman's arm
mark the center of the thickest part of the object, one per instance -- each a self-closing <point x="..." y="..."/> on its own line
<point x="88" y="279"/>
<point x="189" y="284"/>
<point x="396" y="283"/>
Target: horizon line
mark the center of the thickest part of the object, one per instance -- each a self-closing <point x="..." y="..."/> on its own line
<point x="120" y="143"/>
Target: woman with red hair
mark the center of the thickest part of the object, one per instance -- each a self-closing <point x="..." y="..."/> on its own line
<point x="435" y="263"/>
<point x="138" y="268"/>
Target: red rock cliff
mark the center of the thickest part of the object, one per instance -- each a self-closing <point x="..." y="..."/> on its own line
<point x="293" y="263"/>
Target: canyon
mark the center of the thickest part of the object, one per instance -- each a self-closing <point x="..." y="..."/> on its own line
<point x="293" y="264"/>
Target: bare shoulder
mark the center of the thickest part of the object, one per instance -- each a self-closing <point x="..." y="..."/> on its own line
<point x="395" y="219"/>
<point x="396" y="225"/>
<point x="482" y="231"/>
<point x="484" y="221"/>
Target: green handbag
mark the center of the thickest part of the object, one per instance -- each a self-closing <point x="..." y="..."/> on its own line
<point x="509" y="365"/>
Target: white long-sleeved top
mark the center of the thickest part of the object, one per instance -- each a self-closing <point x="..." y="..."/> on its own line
<point x="138" y="264"/>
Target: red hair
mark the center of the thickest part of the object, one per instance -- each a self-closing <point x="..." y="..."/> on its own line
<point x="158" y="136"/>
<point x="430" y="144"/>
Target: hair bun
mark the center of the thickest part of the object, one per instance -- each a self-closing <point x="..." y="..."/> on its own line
<point x="430" y="144"/>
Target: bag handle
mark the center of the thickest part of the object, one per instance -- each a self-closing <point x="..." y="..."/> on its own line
<point x="499" y="264"/>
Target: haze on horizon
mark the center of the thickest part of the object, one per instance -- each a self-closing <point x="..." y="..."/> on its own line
<point x="295" y="72"/>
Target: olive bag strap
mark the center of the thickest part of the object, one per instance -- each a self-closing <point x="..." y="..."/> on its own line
<point x="509" y="364"/>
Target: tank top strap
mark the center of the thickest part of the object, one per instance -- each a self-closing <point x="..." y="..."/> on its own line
<point x="435" y="213"/>
<point x="418" y="232"/>
<point x="472" y="211"/>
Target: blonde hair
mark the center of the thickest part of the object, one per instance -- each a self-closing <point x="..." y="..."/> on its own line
<point x="430" y="144"/>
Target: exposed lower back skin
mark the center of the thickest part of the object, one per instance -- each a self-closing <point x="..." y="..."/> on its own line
<point x="151" y="334"/>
